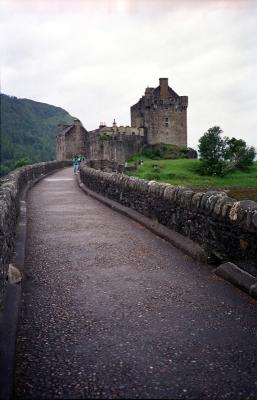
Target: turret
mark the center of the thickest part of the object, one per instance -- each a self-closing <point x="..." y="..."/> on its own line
<point x="114" y="126"/>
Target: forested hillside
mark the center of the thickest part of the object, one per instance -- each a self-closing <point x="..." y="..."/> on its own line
<point x="28" y="130"/>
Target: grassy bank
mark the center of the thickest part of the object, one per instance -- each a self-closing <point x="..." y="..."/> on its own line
<point x="183" y="173"/>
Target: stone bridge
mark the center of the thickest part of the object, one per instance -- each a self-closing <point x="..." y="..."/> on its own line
<point x="109" y="309"/>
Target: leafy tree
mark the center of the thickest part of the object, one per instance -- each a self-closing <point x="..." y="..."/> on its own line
<point x="238" y="154"/>
<point x="212" y="146"/>
<point x="219" y="155"/>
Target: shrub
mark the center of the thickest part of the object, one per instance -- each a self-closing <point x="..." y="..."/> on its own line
<point x="4" y="170"/>
<point x="152" y="176"/>
<point x="22" y="161"/>
<point x="219" y="168"/>
<point x="153" y="154"/>
<point x="104" y="137"/>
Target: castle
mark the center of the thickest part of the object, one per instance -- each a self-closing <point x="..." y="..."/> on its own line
<point x="160" y="116"/>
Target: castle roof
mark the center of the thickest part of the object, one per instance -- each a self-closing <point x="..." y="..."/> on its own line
<point x="66" y="130"/>
<point x="157" y="92"/>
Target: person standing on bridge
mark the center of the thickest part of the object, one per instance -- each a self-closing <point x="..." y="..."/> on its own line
<point x="79" y="161"/>
<point x="75" y="163"/>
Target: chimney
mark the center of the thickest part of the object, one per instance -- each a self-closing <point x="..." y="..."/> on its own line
<point x="76" y="121"/>
<point x="164" y="88"/>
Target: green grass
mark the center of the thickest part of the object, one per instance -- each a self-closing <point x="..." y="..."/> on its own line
<point x="182" y="172"/>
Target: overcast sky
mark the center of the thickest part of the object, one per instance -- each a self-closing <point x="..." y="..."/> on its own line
<point x="95" y="58"/>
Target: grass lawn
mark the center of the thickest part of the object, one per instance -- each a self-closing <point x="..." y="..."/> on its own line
<point x="181" y="172"/>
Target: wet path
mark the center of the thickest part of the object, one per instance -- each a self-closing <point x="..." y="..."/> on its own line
<point x="109" y="310"/>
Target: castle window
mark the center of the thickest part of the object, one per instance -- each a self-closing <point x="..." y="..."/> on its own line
<point x="166" y="122"/>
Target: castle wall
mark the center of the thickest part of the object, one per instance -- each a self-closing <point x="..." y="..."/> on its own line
<point x="60" y="148"/>
<point x="119" y="130"/>
<point x="119" y="148"/>
<point x="167" y="126"/>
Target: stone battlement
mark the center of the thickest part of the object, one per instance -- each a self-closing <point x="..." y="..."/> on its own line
<point x="117" y="130"/>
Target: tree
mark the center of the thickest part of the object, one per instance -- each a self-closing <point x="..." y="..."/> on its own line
<point x="238" y="154"/>
<point x="212" y="146"/>
<point x="221" y="155"/>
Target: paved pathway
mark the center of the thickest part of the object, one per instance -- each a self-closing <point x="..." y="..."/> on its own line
<point x="109" y="310"/>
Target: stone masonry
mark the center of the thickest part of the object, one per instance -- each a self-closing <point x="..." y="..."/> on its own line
<point x="226" y="228"/>
<point x="160" y="116"/>
<point x="11" y="189"/>
<point x="70" y="141"/>
<point x="163" y="113"/>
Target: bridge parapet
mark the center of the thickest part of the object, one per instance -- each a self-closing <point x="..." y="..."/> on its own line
<point x="12" y="190"/>
<point x="226" y="228"/>
<point x="104" y="165"/>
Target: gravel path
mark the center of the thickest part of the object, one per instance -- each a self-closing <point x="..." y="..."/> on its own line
<point x="109" y="310"/>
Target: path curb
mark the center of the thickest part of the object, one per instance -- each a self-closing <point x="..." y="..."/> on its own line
<point x="183" y="243"/>
<point x="238" y="277"/>
<point x="10" y="314"/>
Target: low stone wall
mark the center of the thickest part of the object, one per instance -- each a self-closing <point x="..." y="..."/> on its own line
<point x="104" y="165"/>
<point x="226" y="228"/>
<point x="11" y="190"/>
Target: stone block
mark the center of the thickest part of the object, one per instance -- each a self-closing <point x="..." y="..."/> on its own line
<point x="246" y="211"/>
<point x="186" y="198"/>
<point x="210" y="198"/>
<point x="227" y="204"/>
<point x="169" y="193"/>
<point x="236" y="275"/>
<point x="196" y="199"/>
<point x="153" y="188"/>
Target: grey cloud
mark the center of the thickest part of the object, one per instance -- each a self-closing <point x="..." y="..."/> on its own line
<point x="96" y="63"/>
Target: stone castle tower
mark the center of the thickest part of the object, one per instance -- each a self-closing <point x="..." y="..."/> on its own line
<point x="163" y="114"/>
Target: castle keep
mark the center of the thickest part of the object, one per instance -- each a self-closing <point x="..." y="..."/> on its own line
<point x="160" y="116"/>
<point x="163" y="113"/>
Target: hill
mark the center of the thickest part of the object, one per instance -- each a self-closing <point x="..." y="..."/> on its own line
<point x="28" y="130"/>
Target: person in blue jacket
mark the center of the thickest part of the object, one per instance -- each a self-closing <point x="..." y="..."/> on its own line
<point x="75" y="163"/>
